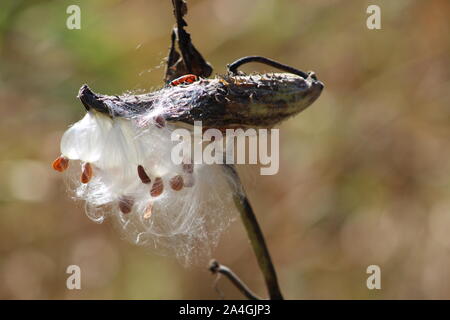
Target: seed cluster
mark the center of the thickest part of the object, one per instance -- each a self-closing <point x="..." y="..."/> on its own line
<point x="126" y="202"/>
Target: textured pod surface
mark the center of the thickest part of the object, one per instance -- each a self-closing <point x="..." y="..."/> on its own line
<point x="262" y="100"/>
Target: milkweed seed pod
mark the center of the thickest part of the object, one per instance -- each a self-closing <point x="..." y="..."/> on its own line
<point x="125" y="147"/>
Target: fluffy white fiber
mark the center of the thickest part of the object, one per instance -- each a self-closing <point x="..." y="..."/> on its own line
<point x="185" y="223"/>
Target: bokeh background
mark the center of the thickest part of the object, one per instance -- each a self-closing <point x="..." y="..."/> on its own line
<point x="364" y="175"/>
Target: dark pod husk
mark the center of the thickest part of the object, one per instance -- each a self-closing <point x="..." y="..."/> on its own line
<point x="261" y="100"/>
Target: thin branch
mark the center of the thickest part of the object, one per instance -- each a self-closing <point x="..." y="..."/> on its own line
<point x="255" y="235"/>
<point x="232" y="67"/>
<point x="215" y="267"/>
<point x="184" y="39"/>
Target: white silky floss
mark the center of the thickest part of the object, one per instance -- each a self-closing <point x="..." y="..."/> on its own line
<point x="175" y="209"/>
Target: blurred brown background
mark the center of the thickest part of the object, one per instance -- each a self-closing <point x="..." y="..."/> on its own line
<point x="364" y="174"/>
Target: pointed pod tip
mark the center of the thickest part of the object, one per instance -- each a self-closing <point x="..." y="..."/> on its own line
<point x="91" y="100"/>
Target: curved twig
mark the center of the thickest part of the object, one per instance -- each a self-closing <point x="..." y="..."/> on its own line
<point x="232" y="67"/>
<point x="215" y="267"/>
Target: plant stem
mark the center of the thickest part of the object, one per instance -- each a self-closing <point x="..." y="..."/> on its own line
<point x="216" y="267"/>
<point x="194" y="63"/>
<point x="255" y="235"/>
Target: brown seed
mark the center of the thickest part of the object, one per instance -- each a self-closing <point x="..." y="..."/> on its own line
<point x="188" y="167"/>
<point x="143" y="175"/>
<point x="148" y="211"/>
<point x="176" y="183"/>
<point x="189" y="181"/>
<point x="126" y="204"/>
<point x="60" y="164"/>
<point x="86" y="174"/>
<point x="160" y="122"/>
<point x="157" y="188"/>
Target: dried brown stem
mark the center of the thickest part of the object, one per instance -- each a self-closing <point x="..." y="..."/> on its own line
<point x="190" y="60"/>
<point x="215" y="267"/>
